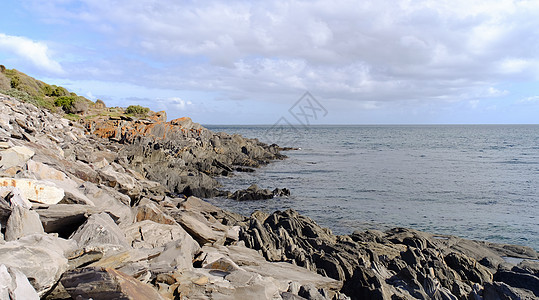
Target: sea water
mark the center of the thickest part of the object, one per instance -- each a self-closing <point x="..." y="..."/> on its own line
<point x="474" y="181"/>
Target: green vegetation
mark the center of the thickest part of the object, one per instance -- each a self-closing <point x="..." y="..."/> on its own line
<point x="137" y="110"/>
<point x="51" y="97"/>
<point x="24" y="96"/>
<point x="17" y="84"/>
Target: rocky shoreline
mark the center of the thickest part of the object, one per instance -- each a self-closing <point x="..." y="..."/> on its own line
<point x="107" y="208"/>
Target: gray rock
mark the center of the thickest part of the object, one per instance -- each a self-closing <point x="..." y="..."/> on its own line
<point x="16" y="156"/>
<point x="21" y="222"/>
<point x="105" y="283"/>
<point x="100" y="232"/>
<point x="42" y="258"/>
<point x="64" y="219"/>
<point x="178" y="253"/>
<point x="199" y="228"/>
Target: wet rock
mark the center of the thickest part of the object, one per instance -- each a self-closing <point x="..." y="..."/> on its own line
<point x="253" y="192"/>
<point x="105" y="283"/>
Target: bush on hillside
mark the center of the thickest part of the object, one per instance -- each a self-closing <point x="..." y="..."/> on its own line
<point x="72" y="104"/>
<point x="15" y="82"/>
<point x="137" y="110"/>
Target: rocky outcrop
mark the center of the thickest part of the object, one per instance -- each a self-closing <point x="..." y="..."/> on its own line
<point x="401" y="263"/>
<point x="110" y="230"/>
<point x="181" y="154"/>
<point x="117" y="225"/>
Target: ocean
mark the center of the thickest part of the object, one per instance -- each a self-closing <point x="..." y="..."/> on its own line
<point x="473" y="181"/>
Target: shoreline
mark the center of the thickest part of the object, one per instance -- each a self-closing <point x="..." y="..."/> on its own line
<point x="122" y="183"/>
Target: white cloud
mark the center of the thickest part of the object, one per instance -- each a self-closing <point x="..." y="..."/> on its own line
<point x="372" y="51"/>
<point x="532" y="99"/>
<point x="34" y="52"/>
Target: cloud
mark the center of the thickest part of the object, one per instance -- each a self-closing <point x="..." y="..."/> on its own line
<point x="372" y="51"/>
<point x="532" y="99"/>
<point x="34" y="52"/>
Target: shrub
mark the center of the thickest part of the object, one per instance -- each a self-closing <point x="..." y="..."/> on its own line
<point x="137" y="110"/>
<point x="15" y="82"/>
<point x="65" y="102"/>
<point x="25" y="97"/>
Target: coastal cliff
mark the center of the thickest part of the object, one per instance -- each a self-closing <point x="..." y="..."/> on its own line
<point x="104" y="207"/>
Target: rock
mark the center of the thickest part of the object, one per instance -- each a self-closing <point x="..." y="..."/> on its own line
<point x="109" y="200"/>
<point x="519" y="280"/>
<point x="310" y="292"/>
<point x="199" y="228"/>
<point x="42" y="258"/>
<point x="100" y="232"/>
<point x="500" y="290"/>
<point x="64" y="219"/>
<point x="468" y="268"/>
<point x="15" y="156"/>
<point x="151" y="212"/>
<point x="120" y="180"/>
<point x="14" y="285"/>
<point x="15" y="197"/>
<point x="105" y="283"/>
<point x="21" y="222"/>
<point x="35" y="190"/>
<point x="252" y="193"/>
<point x="44" y="172"/>
<point x="149" y="234"/>
<point x="178" y="253"/>
<point x="282" y="273"/>
<point x="281" y="192"/>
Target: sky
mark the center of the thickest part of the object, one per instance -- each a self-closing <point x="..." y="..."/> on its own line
<point x="251" y="62"/>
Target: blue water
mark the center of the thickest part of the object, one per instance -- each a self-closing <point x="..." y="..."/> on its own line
<point x="474" y="181"/>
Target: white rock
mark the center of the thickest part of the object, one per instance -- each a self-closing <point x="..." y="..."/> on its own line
<point x="14" y="285"/>
<point x="17" y="199"/>
<point x="15" y="156"/>
<point x="35" y="190"/>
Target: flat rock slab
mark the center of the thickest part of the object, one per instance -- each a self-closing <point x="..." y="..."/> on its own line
<point x="35" y="190"/>
<point x="105" y="283"/>
<point x="250" y="260"/>
<point x="15" y="156"/>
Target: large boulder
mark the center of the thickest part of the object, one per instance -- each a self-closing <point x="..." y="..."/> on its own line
<point x="21" y="222"/>
<point x="100" y="232"/>
<point x="105" y="283"/>
<point x="15" y="156"/>
<point x="35" y="190"/>
<point x="42" y="258"/>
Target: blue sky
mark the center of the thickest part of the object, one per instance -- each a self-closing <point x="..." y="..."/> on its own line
<point x="248" y="62"/>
